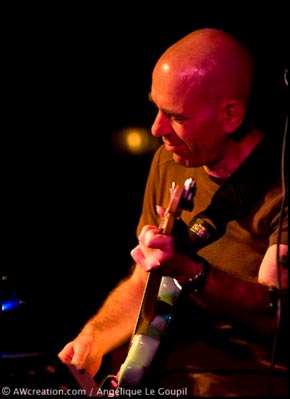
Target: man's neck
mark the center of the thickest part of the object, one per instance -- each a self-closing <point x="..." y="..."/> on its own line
<point x="234" y="155"/>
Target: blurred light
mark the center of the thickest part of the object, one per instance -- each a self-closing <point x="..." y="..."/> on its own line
<point x="11" y="304"/>
<point x="134" y="140"/>
<point x="9" y="299"/>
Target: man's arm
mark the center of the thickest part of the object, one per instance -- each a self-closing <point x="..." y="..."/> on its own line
<point x="232" y="299"/>
<point x="252" y="305"/>
<point x="110" y="327"/>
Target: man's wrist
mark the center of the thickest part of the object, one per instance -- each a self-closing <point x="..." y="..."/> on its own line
<point x="196" y="284"/>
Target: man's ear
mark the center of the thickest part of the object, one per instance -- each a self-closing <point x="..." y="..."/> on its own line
<point x="233" y="115"/>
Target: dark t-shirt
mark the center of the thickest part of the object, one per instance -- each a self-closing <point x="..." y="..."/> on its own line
<point x="241" y="249"/>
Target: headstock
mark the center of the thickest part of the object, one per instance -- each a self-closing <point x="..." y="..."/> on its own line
<point x="181" y="198"/>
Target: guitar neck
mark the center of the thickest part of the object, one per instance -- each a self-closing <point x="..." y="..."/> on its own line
<point x="150" y="295"/>
<point x="159" y="296"/>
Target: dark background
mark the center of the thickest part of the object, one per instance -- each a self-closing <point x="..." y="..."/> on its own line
<point x="70" y="203"/>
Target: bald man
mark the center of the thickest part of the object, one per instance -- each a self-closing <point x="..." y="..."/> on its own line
<point x="224" y="332"/>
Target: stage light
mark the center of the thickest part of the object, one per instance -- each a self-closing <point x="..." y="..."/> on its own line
<point x="134" y="140"/>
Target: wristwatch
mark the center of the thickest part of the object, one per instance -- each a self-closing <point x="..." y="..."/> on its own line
<point x="196" y="284"/>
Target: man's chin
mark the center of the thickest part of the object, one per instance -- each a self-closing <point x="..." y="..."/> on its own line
<point x="181" y="160"/>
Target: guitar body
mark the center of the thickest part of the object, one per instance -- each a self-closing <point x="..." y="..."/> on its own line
<point x="159" y="298"/>
<point x="145" y="342"/>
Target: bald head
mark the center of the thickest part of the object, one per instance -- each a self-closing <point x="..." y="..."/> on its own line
<point x="209" y="59"/>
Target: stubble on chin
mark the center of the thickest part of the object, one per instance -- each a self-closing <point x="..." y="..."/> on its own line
<point x="181" y="161"/>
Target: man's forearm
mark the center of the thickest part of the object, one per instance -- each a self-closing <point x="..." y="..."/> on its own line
<point x="240" y="302"/>
<point x="114" y="322"/>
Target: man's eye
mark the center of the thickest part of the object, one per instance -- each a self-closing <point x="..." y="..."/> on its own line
<point x="173" y="117"/>
<point x="178" y="119"/>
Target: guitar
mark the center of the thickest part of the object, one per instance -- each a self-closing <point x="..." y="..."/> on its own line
<point x="160" y="295"/>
